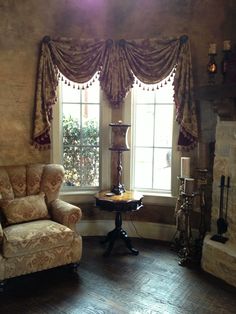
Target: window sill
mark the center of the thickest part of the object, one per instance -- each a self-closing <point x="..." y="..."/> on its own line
<point x="80" y="197"/>
<point x="159" y="199"/>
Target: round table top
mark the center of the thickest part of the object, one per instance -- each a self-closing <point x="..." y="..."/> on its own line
<point x="127" y="196"/>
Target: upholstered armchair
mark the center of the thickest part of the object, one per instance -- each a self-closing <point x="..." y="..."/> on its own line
<point x="37" y="230"/>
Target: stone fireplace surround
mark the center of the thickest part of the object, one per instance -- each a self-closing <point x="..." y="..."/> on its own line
<point x="217" y="258"/>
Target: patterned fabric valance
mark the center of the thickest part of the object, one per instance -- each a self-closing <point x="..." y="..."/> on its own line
<point x="117" y="64"/>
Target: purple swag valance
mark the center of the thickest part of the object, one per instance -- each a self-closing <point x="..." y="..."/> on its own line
<point x="117" y="64"/>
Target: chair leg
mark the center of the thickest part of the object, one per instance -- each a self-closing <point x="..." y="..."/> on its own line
<point x="74" y="267"/>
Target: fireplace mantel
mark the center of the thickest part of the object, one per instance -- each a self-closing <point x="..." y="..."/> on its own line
<point x="222" y="97"/>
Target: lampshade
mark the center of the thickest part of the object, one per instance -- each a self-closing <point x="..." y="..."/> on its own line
<point x="119" y="136"/>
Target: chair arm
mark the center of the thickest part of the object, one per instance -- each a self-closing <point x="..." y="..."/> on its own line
<point x="65" y="213"/>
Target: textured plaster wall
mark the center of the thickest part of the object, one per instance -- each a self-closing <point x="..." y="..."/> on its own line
<point x="24" y="23"/>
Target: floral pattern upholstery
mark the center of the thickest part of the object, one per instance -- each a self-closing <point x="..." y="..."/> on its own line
<point x="34" y="236"/>
<point x="26" y="208"/>
<point x="17" y="176"/>
<point x="65" y="213"/>
<point x="33" y="177"/>
<point x="44" y="243"/>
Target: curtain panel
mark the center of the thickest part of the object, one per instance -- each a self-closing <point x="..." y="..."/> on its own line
<point x="117" y="64"/>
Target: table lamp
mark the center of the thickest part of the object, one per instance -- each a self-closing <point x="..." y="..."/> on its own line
<point x="119" y="143"/>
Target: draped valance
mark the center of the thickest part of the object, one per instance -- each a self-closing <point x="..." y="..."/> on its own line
<point x="117" y="64"/>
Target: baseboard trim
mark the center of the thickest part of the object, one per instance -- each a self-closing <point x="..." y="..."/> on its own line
<point x="137" y="229"/>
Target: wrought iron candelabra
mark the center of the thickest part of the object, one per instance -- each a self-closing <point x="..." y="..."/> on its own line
<point x="189" y="249"/>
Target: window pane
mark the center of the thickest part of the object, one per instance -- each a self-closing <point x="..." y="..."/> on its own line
<point x="71" y="162"/>
<point x="163" y="125"/>
<point x="81" y="166"/>
<point x="144" y="125"/>
<point x="165" y="94"/>
<point x="143" y="167"/>
<point x="71" y="130"/>
<point x="152" y="138"/>
<point x="71" y="110"/>
<point x="90" y="125"/>
<point x="144" y="96"/>
<point x="162" y="169"/>
<point x="70" y="94"/>
<point x="90" y="94"/>
<point x="89" y="166"/>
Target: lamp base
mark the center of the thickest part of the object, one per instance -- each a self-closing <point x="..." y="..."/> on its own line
<point x="119" y="189"/>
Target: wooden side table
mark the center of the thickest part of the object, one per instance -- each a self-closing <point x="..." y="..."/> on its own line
<point x="127" y="201"/>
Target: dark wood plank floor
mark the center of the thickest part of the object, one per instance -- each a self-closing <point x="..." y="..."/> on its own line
<point x="149" y="283"/>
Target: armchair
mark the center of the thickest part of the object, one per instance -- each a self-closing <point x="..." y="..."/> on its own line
<point x="37" y="230"/>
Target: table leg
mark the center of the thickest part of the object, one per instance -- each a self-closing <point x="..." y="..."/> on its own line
<point x="118" y="232"/>
<point x="127" y="241"/>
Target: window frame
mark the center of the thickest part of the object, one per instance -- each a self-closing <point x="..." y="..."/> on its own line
<point x="86" y="195"/>
<point x="105" y="154"/>
<point x="150" y="196"/>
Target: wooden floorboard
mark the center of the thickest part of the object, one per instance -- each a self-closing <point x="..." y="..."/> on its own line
<point x="149" y="283"/>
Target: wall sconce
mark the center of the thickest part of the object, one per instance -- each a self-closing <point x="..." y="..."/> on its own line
<point x="119" y="143"/>
<point x="212" y="66"/>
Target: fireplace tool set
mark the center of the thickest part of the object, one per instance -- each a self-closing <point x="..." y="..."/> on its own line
<point x="222" y="224"/>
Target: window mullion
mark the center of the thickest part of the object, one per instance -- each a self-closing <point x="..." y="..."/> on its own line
<point x="154" y="139"/>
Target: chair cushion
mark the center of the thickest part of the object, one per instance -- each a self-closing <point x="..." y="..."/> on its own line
<point x="26" y="208"/>
<point x="35" y="236"/>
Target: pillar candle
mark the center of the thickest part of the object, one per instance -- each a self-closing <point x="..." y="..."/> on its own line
<point x="226" y="45"/>
<point x="188" y="186"/>
<point x="212" y="49"/>
<point x="185" y="167"/>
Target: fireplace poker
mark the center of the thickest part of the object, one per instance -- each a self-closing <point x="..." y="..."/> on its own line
<point x="227" y="197"/>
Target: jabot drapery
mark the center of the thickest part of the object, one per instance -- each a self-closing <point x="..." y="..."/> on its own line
<point x="117" y="64"/>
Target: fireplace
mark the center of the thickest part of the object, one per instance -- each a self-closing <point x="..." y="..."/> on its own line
<point x="218" y="258"/>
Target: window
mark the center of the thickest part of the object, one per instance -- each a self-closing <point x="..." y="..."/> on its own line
<point x="80" y="117"/>
<point x="154" y="157"/>
<point x="81" y="140"/>
<point x="80" y="125"/>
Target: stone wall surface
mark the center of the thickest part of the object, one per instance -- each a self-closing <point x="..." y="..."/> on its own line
<point x="225" y="164"/>
<point x="218" y="258"/>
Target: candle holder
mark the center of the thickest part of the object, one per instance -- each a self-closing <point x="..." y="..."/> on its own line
<point x="202" y="175"/>
<point x="211" y="68"/>
<point x="186" y="252"/>
<point x="187" y="249"/>
<point x="179" y="239"/>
